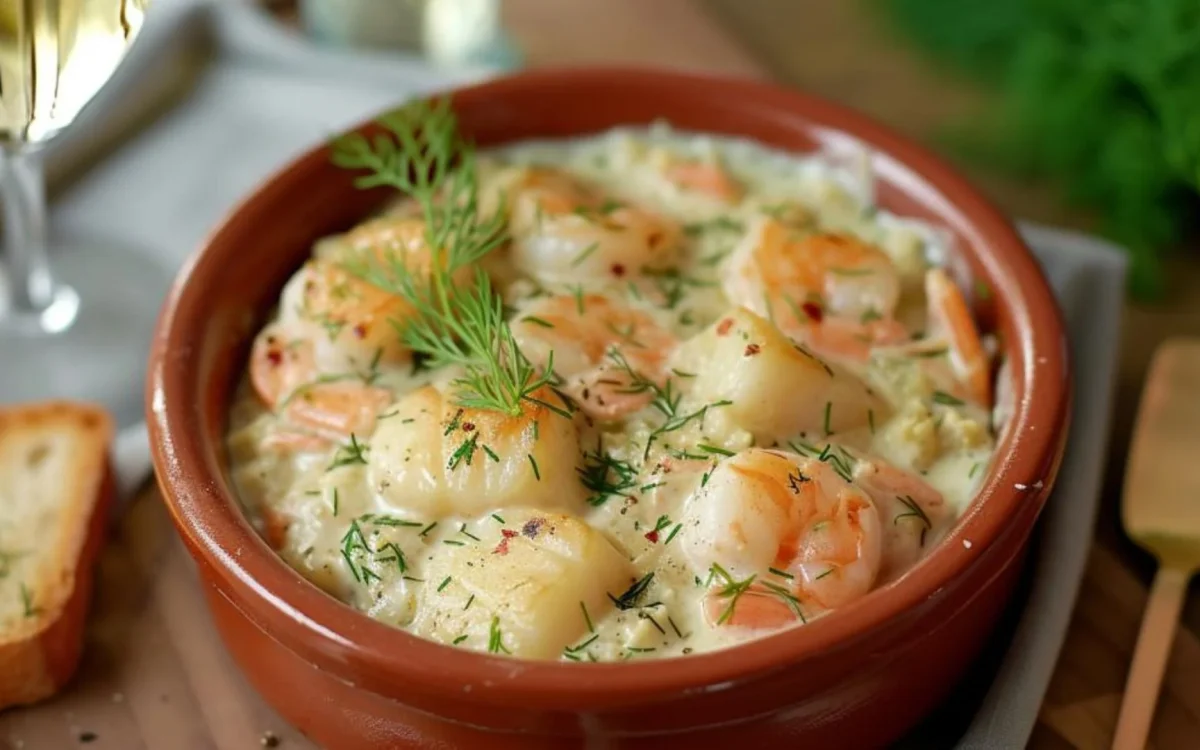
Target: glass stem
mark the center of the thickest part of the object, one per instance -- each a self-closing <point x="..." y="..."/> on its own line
<point x="26" y="267"/>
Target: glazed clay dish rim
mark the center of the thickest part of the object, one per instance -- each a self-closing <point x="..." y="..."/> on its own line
<point x="334" y="636"/>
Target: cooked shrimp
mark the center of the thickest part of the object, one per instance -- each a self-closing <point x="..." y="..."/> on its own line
<point x="334" y="329"/>
<point x="913" y="512"/>
<point x="774" y="270"/>
<point x="950" y="321"/>
<point x="833" y="292"/>
<point x="564" y="230"/>
<point x="600" y="346"/>
<point x="432" y="458"/>
<point x="765" y="510"/>
<point x="774" y="388"/>
<point x="319" y="408"/>
<point x="708" y="178"/>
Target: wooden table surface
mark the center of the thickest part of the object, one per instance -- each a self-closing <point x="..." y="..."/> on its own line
<point x="155" y="674"/>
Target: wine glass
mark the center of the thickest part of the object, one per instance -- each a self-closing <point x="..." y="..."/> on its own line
<point x="75" y="323"/>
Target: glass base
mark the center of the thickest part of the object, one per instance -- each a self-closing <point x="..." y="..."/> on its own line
<point x="93" y="342"/>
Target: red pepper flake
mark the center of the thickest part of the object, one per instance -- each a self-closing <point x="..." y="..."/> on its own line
<point x="502" y="547"/>
<point x="813" y="311"/>
<point x="360" y="331"/>
<point x="618" y="270"/>
<point x="752" y="349"/>
<point x="275" y="357"/>
<point x="468" y="426"/>
<point x="652" y="536"/>
<point x="654" y="238"/>
<point x="724" y="326"/>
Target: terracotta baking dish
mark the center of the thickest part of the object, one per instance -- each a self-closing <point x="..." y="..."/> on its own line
<point x="858" y="678"/>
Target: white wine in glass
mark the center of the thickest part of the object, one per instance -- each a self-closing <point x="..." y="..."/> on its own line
<point x="75" y="323"/>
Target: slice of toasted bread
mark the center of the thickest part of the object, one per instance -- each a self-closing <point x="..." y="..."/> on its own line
<point x="56" y="485"/>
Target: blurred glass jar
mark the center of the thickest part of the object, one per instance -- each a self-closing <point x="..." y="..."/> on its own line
<point x="452" y="33"/>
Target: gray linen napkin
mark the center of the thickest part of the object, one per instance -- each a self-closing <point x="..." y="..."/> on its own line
<point x="264" y="96"/>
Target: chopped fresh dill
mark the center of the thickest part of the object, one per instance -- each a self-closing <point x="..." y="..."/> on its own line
<point x="674" y="531"/>
<point x="368" y="575"/>
<point x="674" y="627"/>
<point x="459" y="639"/>
<point x="583" y="254"/>
<point x="354" y="453"/>
<point x="463" y="530"/>
<point x="828" y="417"/>
<point x="714" y="449"/>
<point x="914" y="511"/>
<point x="732" y="589"/>
<point x="941" y="397"/>
<point x="975" y="467"/>
<point x="604" y="475"/>
<point x="587" y="618"/>
<point x="445" y="582"/>
<point x="577" y="293"/>
<point x="27" y="606"/>
<point x="787" y="598"/>
<point x="379" y="520"/>
<point x="537" y="321"/>
<point x="396" y="556"/>
<point x="497" y="518"/>
<point x="938" y="352"/>
<point x="469" y="603"/>
<point x="584" y="644"/>
<point x="663" y="522"/>
<point x="454" y="423"/>
<point x="428" y="528"/>
<point x="781" y="573"/>
<point x="629" y="599"/>
<point x="650" y="617"/>
<point x="496" y="638"/>
<point x="537" y="474"/>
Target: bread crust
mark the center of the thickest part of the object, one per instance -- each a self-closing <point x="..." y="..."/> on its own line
<point x="39" y="656"/>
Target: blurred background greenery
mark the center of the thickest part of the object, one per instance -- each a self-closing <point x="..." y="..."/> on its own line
<point x="1101" y="95"/>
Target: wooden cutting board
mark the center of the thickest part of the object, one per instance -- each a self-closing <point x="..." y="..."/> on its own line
<point x="156" y="676"/>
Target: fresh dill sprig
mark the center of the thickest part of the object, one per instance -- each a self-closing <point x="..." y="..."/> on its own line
<point x="422" y="154"/>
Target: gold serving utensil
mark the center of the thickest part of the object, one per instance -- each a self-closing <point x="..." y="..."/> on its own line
<point x="1161" y="512"/>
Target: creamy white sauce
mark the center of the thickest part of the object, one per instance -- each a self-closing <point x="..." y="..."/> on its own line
<point x="442" y="574"/>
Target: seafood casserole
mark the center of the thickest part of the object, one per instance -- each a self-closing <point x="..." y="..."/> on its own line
<point x="640" y="394"/>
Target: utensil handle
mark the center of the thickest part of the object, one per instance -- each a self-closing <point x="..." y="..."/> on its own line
<point x="1150" y="658"/>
